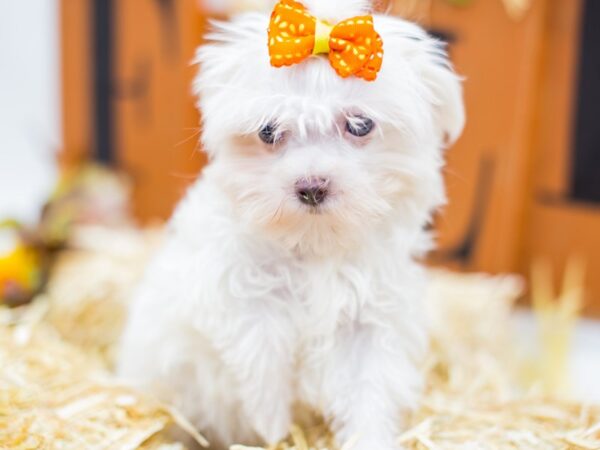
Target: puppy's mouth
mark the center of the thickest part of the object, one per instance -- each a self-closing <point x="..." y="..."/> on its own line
<point x="315" y="210"/>
<point x="322" y="207"/>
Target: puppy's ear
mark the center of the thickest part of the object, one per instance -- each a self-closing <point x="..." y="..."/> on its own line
<point x="233" y="58"/>
<point x="230" y="49"/>
<point x="446" y="89"/>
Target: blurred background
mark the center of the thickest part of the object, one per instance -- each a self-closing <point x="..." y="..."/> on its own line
<point x="107" y="83"/>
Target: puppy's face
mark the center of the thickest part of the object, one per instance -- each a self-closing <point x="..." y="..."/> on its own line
<point x="322" y="163"/>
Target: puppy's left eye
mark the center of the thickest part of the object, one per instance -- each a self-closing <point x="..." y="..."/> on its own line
<point x="268" y="133"/>
<point x="359" y="126"/>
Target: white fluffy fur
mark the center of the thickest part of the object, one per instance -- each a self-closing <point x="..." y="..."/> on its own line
<point x="257" y="302"/>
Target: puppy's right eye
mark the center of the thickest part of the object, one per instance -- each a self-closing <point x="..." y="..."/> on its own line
<point x="360" y="126"/>
<point x="268" y="133"/>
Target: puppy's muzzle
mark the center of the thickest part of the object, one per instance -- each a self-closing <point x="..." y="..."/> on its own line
<point x="312" y="191"/>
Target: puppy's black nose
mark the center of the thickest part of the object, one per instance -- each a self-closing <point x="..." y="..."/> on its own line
<point x="312" y="191"/>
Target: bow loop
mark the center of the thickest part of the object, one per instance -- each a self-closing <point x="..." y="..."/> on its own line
<point x="357" y="49"/>
<point x="291" y="33"/>
<point x="353" y="45"/>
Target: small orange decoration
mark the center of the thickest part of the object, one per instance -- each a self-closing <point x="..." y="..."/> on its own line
<point x="20" y="265"/>
<point x="353" y="45"/>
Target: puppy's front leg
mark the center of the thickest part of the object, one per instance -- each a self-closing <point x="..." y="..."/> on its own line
<point x="258" y="354"/>
<point x="370" y="382"/>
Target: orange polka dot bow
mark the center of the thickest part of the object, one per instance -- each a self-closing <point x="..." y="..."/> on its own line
<point x="353" y="45"/>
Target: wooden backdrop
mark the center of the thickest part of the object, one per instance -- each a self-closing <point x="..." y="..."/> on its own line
<point x="148" y="126"/>
<point x="508" y="177"/>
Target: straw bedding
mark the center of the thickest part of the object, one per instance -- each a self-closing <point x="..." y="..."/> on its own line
<point x="57" y="392"/>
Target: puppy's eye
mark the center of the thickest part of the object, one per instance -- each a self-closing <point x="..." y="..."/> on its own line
<point x="359" y="126"/>
<point x="268" y="133"/>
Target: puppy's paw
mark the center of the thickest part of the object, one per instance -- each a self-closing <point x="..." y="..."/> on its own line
<point x="273" y="424"/>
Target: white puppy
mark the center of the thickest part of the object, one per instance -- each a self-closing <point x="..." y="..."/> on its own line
<point x="289" y="273"/>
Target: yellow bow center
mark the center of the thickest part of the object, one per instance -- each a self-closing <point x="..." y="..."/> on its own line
<point x="322" y="35"/>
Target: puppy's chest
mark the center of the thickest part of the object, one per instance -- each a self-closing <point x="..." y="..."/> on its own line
<point x="316" y="298"/>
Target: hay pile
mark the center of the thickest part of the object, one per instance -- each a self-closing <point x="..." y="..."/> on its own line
<point x="92" y="282"/>
<point x="474" y="397"/>
<point x="56" y="391"/>
<point x="53" y="395"/>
